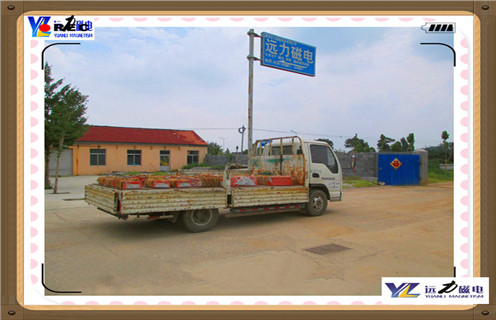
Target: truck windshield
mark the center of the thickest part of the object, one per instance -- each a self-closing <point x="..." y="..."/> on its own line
<point x="322" y="154"/>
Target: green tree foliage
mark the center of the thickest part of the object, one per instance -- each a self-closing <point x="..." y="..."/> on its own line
<point x="214" y="149"/>
<point x="411" y="142"/>
<point x="52" y="96"/>
<point x="383" y="143"/>
<point x="442" y="152"/>
<point x="358" y="145"/>
<point x="329" y="142"/>
<point x="397" y="147"/>
<point x="404" y="144"/>
<point x="445" y="136"/>
<point x="64" y="120"/>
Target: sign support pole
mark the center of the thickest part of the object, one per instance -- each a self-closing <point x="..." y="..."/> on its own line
<point x="250" y="58"/>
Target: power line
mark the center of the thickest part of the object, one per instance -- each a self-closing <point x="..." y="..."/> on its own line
<point x="320" y="135"/>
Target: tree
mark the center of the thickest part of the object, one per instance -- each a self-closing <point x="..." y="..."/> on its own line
<point x="229" y="155"/>
<point x="358" y="145"/>
<point x="397" y="147"/>
<point x="64" y="119"/>
<point x="214" y="149"/>
<point x="383" y="143"/>
<point x="445" y="137"/>
<point x="404" y="144"/>
<point x="329" y="142"/>
<point x="52" y="96"/>
<point x="411" y="142"/>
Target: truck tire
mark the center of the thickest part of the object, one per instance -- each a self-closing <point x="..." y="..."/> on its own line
<point x="317" y="203"/>
<point x="199" y="220"/>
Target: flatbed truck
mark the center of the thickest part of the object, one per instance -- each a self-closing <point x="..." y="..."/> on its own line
<point x="313" y="166"/>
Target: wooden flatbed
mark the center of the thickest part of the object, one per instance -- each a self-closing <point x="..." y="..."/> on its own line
<point x="153" y="201"/>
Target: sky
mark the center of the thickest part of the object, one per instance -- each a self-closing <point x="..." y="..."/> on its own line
<point x="369" y="81"/>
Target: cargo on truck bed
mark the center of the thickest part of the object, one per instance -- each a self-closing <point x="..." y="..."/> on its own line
<point x="286" y="174"/>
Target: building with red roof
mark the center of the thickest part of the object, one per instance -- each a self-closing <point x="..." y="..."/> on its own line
<point x="106" y="149"/>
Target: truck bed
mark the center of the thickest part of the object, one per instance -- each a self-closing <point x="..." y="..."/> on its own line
<point x="147" y="201"/>
<point x="143" y="201"/>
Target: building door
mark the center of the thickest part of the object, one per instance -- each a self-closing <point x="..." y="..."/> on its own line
<point x="164" y="160"/>
<point x="399" y="169"/>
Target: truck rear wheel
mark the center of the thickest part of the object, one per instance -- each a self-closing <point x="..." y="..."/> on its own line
<point x="199" y="220"/>
<point x="317" y="203"/>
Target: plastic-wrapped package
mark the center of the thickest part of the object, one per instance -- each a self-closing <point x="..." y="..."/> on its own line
<point x="157" y="183"/>
<point x="183" y="182"/>
<point x="243" y="181"/>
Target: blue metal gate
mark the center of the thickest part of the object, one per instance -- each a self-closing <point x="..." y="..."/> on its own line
<point x="399" y="169"/>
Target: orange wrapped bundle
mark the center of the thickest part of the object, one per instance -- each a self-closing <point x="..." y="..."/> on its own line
<point x="183" y="182"/>
<point x="110" y="182"/>
<point x="275" y="180"/>
<point x="126" y="183"/>
<point x="142" y="178"/>
<point x="210" y="180"/>
<point x="101" y="180"/>
<point x="158" y="183"/>
<point x="243" y="181"/>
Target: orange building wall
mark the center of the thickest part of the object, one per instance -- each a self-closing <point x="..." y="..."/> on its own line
<point x="116" y="158"/>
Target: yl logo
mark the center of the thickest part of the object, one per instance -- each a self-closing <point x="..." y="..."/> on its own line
<point x="403" y="291"/>
<point x="40" y="27"/>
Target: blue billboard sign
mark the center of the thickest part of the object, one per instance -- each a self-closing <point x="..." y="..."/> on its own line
<point x="288" y="55"/>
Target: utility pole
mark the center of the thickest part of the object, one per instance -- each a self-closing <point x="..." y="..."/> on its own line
<point x="250" y="58"/>
<point x="223" y="140"/>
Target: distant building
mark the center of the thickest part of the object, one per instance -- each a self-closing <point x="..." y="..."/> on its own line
<point x="105" y="149"/>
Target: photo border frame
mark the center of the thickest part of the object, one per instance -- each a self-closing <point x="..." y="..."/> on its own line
<point x="12" y="150"/>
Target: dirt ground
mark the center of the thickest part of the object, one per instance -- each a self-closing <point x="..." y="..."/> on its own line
<point x="374" y="232"/>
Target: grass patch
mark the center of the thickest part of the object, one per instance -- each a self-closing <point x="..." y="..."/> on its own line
<point x="357" y="182"/>
<point x="436" y="174"/>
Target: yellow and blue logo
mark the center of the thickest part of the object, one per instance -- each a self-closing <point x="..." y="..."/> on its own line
<point x="403" y="291"/>
<point x="40" y="27"/>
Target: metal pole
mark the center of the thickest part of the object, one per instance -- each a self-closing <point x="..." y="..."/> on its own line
<point x="223" y="140"/>
<point x="250" y="57"/>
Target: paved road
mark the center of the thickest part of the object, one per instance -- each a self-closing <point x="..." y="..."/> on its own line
<point x="383" y="231"/>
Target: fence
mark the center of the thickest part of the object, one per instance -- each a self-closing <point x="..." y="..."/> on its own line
<point x="222" y="160"/>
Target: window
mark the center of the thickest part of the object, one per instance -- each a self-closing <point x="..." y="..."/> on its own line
<point x="322" y="154"/>
<point x="97" y="157"/>
<point x="193" y="157"/>
<point x="134" y="157"/>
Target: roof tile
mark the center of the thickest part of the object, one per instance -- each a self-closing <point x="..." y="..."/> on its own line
<point x="141" y="135"/>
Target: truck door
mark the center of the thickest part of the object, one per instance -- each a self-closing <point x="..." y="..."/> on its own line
<point x="325" y="170"/>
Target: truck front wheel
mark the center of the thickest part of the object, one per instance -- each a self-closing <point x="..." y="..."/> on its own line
<point x="199" y="220"/>
<point x="317" y="203"/>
